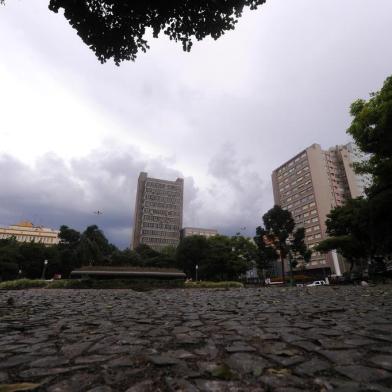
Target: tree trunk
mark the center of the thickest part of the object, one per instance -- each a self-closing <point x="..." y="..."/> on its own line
<point x="282" y="261"/>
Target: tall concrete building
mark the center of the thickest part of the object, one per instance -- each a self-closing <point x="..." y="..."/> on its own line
<point x="158" y="212"/>
<point x="309" y="185"/>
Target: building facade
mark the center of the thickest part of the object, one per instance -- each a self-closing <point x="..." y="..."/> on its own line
<point x="25" y="231"/>
<point x="158" y="212"/>
<point x="188" y="231"/>
<point x="309" y="185"/>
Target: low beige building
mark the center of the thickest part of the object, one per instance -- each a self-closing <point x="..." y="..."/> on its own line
<point x="25" y="231"/>
<point x="188" y="231"/>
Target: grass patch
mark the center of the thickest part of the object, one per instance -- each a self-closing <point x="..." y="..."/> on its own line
<point x="21" y="284"/>
<point x="213" y="285"/>
<point x="133" y="284"/>
<point x="101" y="284"/>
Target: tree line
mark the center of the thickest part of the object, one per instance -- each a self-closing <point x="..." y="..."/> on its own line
<point x="217" y="258"/>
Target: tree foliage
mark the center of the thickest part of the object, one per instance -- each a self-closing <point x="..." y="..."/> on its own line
<point x="362" y="228"/>
<point x="272" y="240"/>
<point x="192" y="251"/>
<point x="74" y="250"/>
<point x="116" y="28"/>
<point x="267" y="254"/>
<point x="218" y="258"/>
<point x="371" y="129"/>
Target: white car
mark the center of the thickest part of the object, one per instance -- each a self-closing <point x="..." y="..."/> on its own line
<point x="317" y="283"/>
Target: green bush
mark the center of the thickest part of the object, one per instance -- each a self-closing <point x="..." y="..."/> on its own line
<point x="214" y="285"/>
<point x="134" y="284"/>
<point x="20" y="284"/>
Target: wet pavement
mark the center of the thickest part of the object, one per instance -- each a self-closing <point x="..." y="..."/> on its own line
<point x="269" y="339"/>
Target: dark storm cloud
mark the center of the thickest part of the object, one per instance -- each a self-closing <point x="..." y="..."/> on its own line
<point x="53" y="192"/>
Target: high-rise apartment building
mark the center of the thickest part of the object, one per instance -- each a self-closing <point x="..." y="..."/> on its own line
<point x="309" y="185"/>
<point x="158" y="212"/>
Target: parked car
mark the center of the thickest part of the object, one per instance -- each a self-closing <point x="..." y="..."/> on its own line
<point x="317" y="283"/>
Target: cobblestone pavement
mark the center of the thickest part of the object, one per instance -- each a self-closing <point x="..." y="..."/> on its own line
<point x="273" y="339"/>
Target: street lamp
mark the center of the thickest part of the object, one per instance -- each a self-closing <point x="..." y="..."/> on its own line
<point x="288" y="243"/>
<point x="197" y="267"/>
<point x="44" y="269"/>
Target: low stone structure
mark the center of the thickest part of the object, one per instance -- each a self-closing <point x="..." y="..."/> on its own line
<point x="104" y="272"/>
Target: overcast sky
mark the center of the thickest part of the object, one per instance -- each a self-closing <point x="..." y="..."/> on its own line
<point x="74" y="134"/>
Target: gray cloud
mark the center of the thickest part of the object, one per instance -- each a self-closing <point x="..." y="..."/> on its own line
<point x="53" y="192"/>
<point x="224" y="115"/>
<point x="240" y="194"/>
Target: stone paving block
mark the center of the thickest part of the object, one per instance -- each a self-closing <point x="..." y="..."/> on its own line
<point x="144" y="386"/>
<point x="342" y="357"/>
<point x="363" y="373"/>
<point x="179" y="385"/>
<point x="40" y="372"/>
<point x="3" y="377"/>
<point x="77" y="383"/>
<point x="101" y="388"/>
<point x="163" y="360"/>
<point x="49" y="362"/>
<point x="275" y="339"/>
<point x="307" y="345"/>
<point x="245" y="363"/>
<point x="287" y="361"/>
<point x="239" y="347"/>
<point x="16" y="360"/>
<point x="217" y="386"/>
<point x="382" y="361"/>
<point x="311" y="367"/>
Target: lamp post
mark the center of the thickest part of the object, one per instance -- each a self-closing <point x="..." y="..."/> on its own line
<point x="288" y="243"/>
<point x="196" y="268"/>
<point x="44" y="269"/>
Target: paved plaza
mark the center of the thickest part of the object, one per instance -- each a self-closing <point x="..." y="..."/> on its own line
<point x="269" y="339"/>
